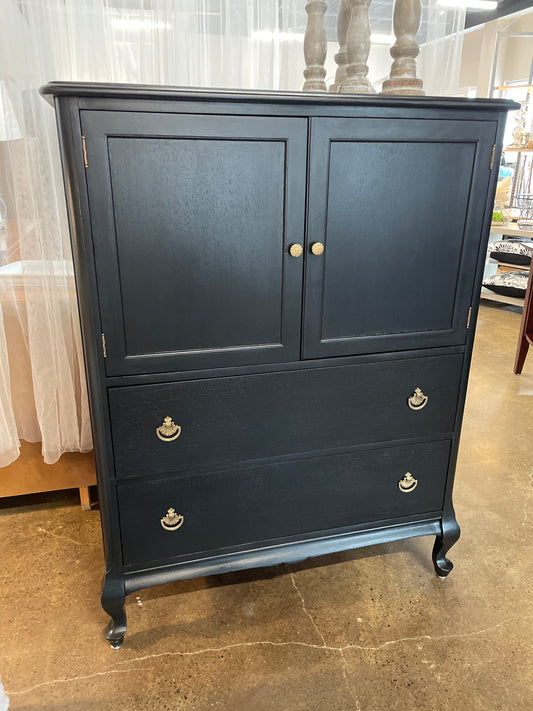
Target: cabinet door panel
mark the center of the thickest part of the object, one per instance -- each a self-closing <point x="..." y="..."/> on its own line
<point x="399" y="206"/>
<point x="192" y="219"/>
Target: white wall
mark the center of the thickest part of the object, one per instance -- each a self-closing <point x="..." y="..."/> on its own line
<point x="478" y="53"/>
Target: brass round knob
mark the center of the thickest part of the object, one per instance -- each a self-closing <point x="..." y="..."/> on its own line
<point x="317" y="248"/>
<point x="296" y="250"/>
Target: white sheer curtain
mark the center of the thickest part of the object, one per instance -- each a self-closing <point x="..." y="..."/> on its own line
<point x="183" y="42"/>
<point x="440" y="53"/>
<point x="211" y="43"/>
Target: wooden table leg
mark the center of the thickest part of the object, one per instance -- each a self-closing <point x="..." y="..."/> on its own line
<point x="85" y="498"/>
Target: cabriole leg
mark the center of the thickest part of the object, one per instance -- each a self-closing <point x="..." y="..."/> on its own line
<point x="450" y="535"/>
<point x="113" y="599"/>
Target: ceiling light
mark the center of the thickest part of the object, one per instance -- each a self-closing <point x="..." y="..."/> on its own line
<point x="269" y="35"/>
<point x="469" y="4"/>
<point x="132" y="24"/>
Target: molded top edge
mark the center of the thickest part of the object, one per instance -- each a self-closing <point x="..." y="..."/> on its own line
<point x="147" y="91"/>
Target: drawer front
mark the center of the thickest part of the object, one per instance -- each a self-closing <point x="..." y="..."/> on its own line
<point x="234" y="508"/>
<point x="223" y="420"/>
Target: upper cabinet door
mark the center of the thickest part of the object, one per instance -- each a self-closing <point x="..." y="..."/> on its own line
<point x="399" y="207"/>
<point x="192" y="220"/>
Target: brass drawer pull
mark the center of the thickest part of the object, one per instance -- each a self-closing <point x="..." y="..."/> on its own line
<point x="172" y="521"/>
<point x="168" y="431"/>
<point x="296" y="250"/>
<point x="418" y="400"/>
<point x="408" y="483"/>
<point x="317" y="248"/>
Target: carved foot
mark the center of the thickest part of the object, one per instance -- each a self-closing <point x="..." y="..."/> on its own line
<point x="113" y="599"/>
<point x="443" y="543"/>
<point x="115" y="633"/>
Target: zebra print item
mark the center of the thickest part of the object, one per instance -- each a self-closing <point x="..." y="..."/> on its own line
<point x="508" y="283"/>
<point x="512" y="251"/>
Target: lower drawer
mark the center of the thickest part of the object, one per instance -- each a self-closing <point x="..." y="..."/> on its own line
<point x="232" y="508"/>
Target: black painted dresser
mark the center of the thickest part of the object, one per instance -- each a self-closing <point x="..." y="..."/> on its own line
<point x="278" y="295"/>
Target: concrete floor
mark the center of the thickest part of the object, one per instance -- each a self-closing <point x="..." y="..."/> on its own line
<point x="369" y="630"/>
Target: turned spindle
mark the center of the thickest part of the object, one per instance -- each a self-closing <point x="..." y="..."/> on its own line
<point x="358" y="49"/>
<point x="315" y="47"/>
<point x="341" y="58"/>
<point x="403" y="79"/>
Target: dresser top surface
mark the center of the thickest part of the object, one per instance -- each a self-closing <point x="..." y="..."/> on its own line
<point x="153" y="92"/>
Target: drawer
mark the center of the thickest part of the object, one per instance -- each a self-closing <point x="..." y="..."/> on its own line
<point x="225" y="420"/>
<point x="235" y="508"/>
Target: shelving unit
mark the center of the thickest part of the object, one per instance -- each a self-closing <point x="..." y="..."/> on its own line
<point x="491" y="296"/>
<point x="522" y="178"/>
<point x="513" y="230"/>
<point x="521" y="182"/>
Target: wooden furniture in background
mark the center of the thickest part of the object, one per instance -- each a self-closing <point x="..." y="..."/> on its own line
<point x="30" y="475"/>
<point x="525" y="338"/>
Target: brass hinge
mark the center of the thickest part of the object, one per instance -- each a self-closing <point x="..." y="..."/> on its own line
<point x="492" y="153"/>
<point x="84" y="146"/>
<point x="103" y="345"/>
<point x="469" y="316"/>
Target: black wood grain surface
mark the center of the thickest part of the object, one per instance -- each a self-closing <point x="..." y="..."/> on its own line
<point x="399" y="208"/>
<point x="174" y="96"/>
<point x="294" y="435"/>
<point x="271" y="414"/>
<point x="193" y="218"/>
<point x="271" y="501"/>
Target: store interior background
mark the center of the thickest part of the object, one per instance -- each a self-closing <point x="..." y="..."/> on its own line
<point x="362" y="630"/>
